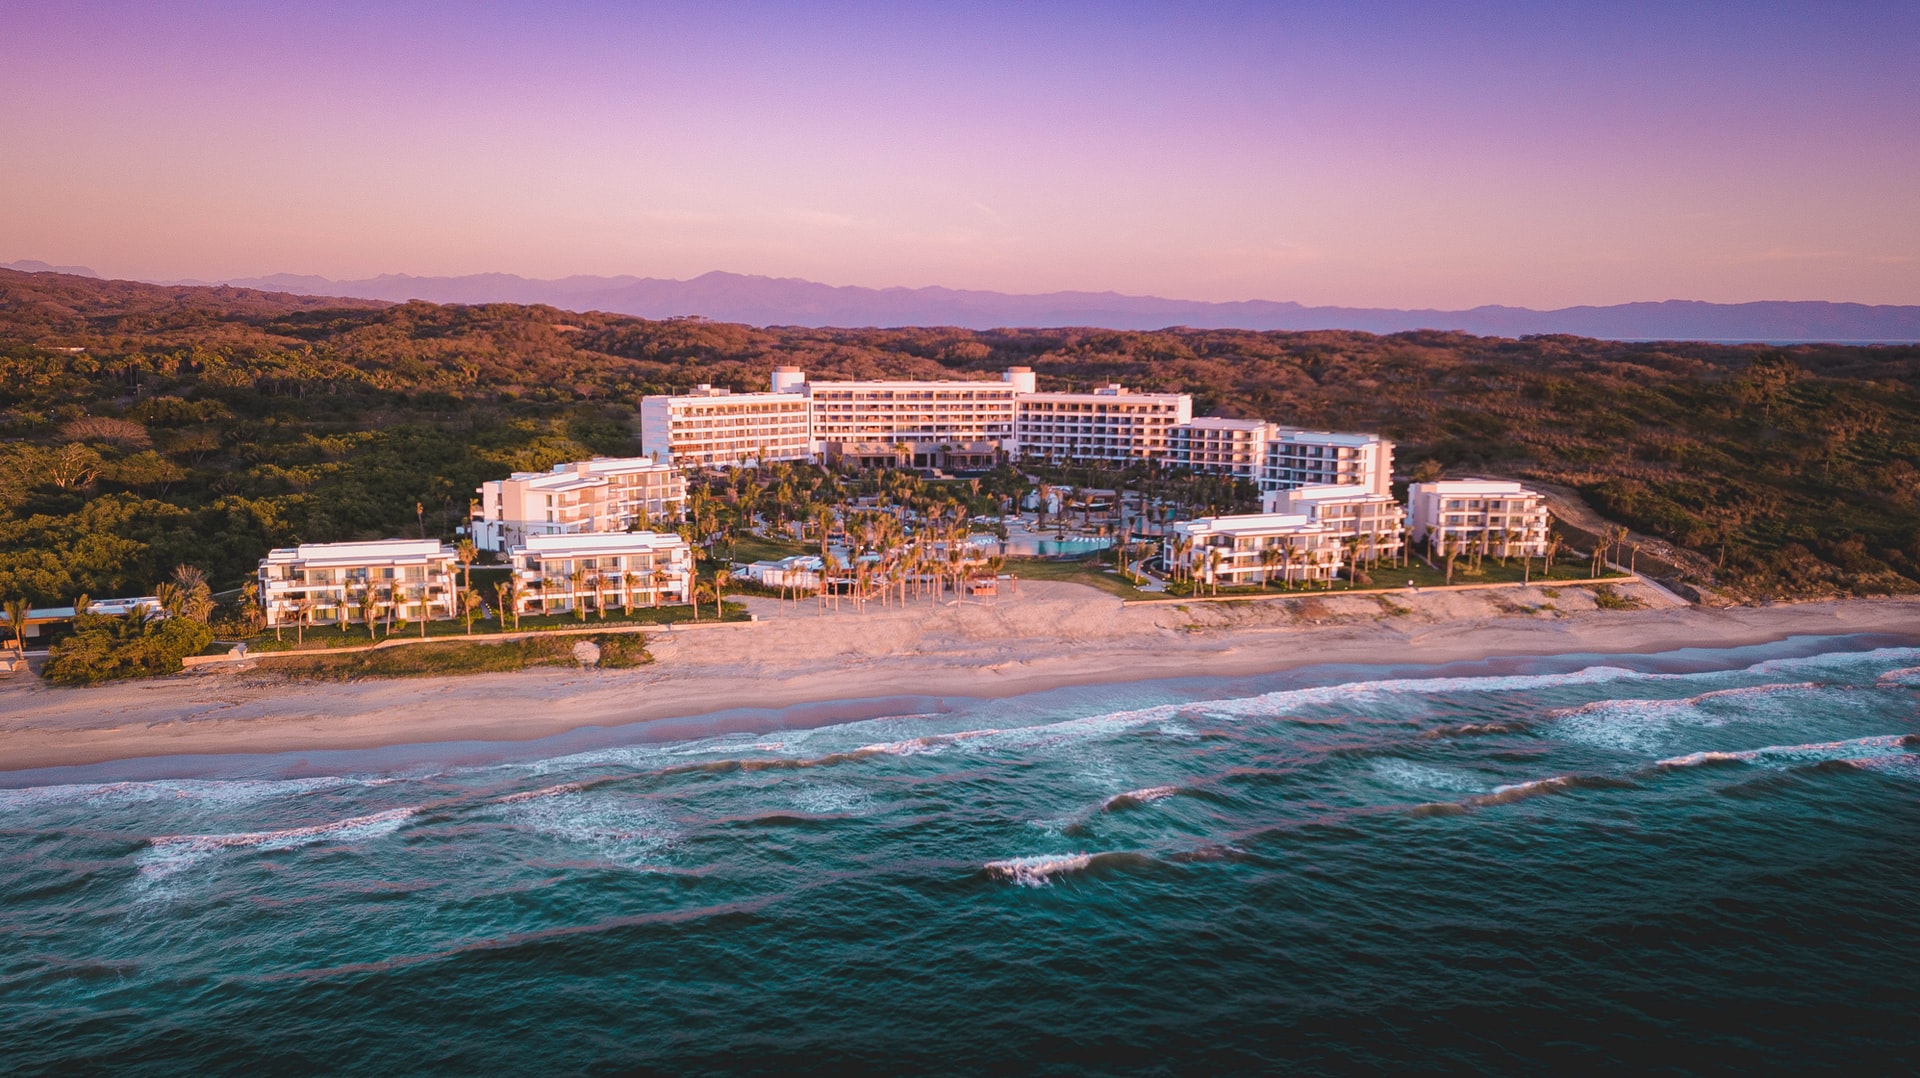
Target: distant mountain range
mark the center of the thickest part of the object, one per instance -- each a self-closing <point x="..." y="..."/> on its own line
<point x="786" y="301"/>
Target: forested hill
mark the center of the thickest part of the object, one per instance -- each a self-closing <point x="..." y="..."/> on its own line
<point x="143" y="426"/>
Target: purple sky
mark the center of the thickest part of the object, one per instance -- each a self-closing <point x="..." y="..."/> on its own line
<point x="1541" y="154"/>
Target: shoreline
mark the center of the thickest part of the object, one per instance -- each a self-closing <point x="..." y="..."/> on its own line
<point x="1049" y="636"/>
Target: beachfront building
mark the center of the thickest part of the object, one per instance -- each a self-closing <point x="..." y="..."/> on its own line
<point x="1491" y="516"/>
<point x="605" y="494"/>
<point x="1296" y="457"/>
<point x="340" y="583"/>
<point x="1217" y="446"/>
<point x="558" y="574"/>
<point x="1372" y="525"/>
<point x="1253" y="548"/>
<point x="716" y="428"/>
<point x="1112" y="423"/>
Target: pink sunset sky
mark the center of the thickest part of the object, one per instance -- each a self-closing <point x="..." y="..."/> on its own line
<point x="1424" y="155"/>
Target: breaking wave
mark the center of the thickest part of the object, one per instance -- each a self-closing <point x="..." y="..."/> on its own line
<point x="169" y="854"/>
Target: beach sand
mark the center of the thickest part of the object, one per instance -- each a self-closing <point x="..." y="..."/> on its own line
<point x="1040" y="635"/>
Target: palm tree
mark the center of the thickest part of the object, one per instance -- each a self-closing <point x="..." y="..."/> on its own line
<point x="304" y="611"/>
<point x="16" y="610"/>
<point x="629" y="581"/>
<point x="504" y="594"/>
<point x="660" y="580"/>
<point x="196" y="597"/>
<point x="469" y="603"/>
<point x="250" y="604"/>
<point x="1554" y="543"/>
<point x="1269" y="557"/>
<point x="466" y="553"/>
<point x="719" y="587"/>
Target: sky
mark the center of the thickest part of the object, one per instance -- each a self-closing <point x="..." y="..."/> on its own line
<point x="1443" y="155"/>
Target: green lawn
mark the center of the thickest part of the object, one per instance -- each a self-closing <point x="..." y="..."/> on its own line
<point x="321" y="637"/>
<point x="442" y="657"/>
<point x="749" y="548"/>
<point x="1089" y="571"/>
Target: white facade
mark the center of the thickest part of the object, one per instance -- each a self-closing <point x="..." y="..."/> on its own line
<point x="1254" y="548"/>
<point x="1300" y="458"/>
<point x="605" y="494"/>
<point x="1349" y="512"/>
<point x="964" y="424"/>
<point x="896" y="411"/>
<point x="342" y="582"/>
<point x="1491" y="516"/>
<point x="713" y="428"/>
<point x="1210" y="444"/>
<point x="560" y="574"/>
<point x="1109" y="424"/>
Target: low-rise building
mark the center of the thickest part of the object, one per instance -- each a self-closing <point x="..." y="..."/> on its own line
<point x="341" y="583"/>
<point x="1216" y="446"/>
<point x="1491" y="516"/>
<point x="1253" y="548"/>
<point x="1299" y="458"/>
<point x="605" y="494"/>
<point x="560" y="574"/>
<point x="1350" y="512"/>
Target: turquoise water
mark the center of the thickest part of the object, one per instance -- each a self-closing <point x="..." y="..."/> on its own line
<point x="1700" y="861"/>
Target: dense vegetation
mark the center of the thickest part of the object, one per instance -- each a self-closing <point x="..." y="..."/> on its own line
<point x="144" y="427"/>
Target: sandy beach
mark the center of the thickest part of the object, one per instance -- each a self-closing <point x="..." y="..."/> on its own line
<point x="1043" y="635"/>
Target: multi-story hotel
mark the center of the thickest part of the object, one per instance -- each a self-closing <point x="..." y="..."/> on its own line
<point x="1235" y="447"/>
<point x="558" y="574"/>
<point x="715" y="428"/>
<point x="337" y="582"/>
<point x="1108" y="424"/>
<point x="1349" y="511"/>
<point x="1300" y="458"/>
<point x="1488" y="515"/>
<point x="966" y="425"/>
<point x="605" y="494"/>
<point x="1254" y="548"/>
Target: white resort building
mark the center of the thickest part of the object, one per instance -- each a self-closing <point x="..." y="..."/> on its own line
<point x="560" y="574"/>
<point x="1210" y="444"/>
<point x="1491" y="516"/>
<point x="342" y="582"/>
<point x="605" y="494"/>
<point x="1109" y="424"/>
<point x="973" y="424"/>
<point x="1300" y="458"/>
<point x="1253" y="548"/>
<point x="715" y="428"/>
<point x="1349" y="512"/>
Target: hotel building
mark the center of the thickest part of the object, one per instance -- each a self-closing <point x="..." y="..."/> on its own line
<point x="1108" y="424"/>
<point x="605" y="494"/>
<point x="1254" y="548"/>
<point x="559" y="574"/>
<point x="1489" y="515"/>
<point x="1235" y="447"/>
<point x="966" y="425"/>
<point x="1348" y="511"/>
<point x="715" y="428"/>
<point x="1300" y="458"/>
<point x="335" y="582"/>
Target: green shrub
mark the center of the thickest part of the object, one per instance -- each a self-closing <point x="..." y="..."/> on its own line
<point x="104" y="648"/>
<point x="1606" y="597"/>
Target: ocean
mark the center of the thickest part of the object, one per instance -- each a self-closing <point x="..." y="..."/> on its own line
<point x="1697" y="861"/>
